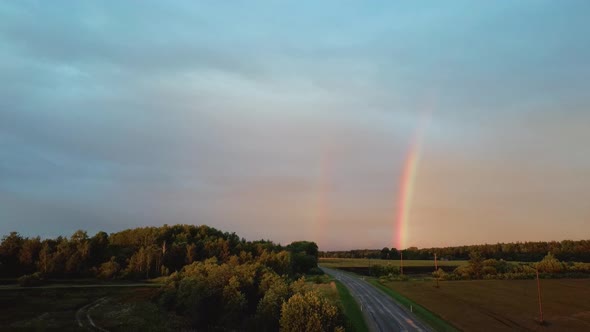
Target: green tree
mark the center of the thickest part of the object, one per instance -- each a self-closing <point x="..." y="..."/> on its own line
<point x="476" y="263"/>
<point x="304" y="256"/>
<point x="550" y="264"/>
<point x="276" y="291"/>
<point x="109" y="270"/>
<point x="385" y="253"/>
<point x="309" y="312"/>
<point x="9" y="254"/>
<point x="29" y="254"/>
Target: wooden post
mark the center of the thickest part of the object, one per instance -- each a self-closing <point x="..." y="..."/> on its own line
<point x="540" y="303"/>
<point x="435" y="263"/>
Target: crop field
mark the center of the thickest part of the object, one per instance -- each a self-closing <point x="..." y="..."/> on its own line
<point x="412" y="266"/>
<point x="365" y="262"/>
<point x="62" y="308"/>
<point x="503" y="305"/>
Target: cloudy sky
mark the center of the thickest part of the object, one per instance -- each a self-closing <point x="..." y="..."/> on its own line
<point x="291" y="121"/>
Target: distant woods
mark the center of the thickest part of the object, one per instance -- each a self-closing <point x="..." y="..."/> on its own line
<point x="578" y="251"/>
<point x="143" y="253"/>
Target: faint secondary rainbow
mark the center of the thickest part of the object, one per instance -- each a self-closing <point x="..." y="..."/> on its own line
<point x="321" y="214"/>
<point x="408" y="183"/>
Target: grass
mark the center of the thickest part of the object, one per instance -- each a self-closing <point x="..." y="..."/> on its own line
<point x="501" y="305"/>
<point x="338" y="294"/>
<point x="39" y="309"/>
<point x="351" y="308"/>
<point x="432" y="319"/>
<point x="365" y="262"/>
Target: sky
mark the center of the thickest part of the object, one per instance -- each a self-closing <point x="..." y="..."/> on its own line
<point x="294" y="120"/>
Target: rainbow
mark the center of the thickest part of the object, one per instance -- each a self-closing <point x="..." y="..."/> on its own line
<point x="321" y="213"/>
<point x="408" y="183"/>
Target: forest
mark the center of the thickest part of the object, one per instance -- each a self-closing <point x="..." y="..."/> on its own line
<point x="567" y="250"/>
<point x="210" y="279"/>
<point x="144" y="253"/>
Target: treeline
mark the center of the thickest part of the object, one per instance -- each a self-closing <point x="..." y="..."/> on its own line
<point x="479" y="267"/>
<point x="567" y="250"/>
<point x="143" y="253"/>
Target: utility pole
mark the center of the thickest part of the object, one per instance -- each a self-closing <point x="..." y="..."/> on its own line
<point x="540" y="303"/>
<point x="435" y="263"/>
<point x="436" y="270"/>
<point x="401" y="264"/>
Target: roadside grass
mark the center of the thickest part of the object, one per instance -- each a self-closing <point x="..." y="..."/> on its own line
<point x="338" y="294"/>
<point x="432" y="319"/>
<point x="351" y="308"/>
<point x="327" y="290"/>
<point x="365" y="262"/>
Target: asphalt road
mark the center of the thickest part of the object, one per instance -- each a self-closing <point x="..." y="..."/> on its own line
<point x="381" y="312"/>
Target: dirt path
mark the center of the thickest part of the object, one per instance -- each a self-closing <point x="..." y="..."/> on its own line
<point x="85" y="320"/>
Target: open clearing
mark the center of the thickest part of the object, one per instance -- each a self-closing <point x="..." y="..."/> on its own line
<point x="81" y="308"/>
<point x="495" y="305"/>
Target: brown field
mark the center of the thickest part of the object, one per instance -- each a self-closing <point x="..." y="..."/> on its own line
<point x="502" y="305"/>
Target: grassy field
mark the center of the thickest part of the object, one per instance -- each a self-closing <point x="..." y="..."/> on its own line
<point x="364" y="262"/>
<point x="55" y="309"/>
<point x="503" y="305"/>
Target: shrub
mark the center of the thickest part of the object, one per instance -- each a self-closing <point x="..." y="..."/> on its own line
<point x="440" y="274"/>
<point x="109" y="270"/>
<point x="31" y="280"/>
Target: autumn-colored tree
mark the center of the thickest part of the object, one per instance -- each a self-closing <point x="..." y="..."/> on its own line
<point x="109" y="269"/>
<point x="29" y="254"/>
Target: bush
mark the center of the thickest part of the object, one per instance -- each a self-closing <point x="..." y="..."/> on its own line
<point x="440" y="274"/>
<point x="31" y="280"/>
<point x="109" y="269"/>
<point x="384" y="270"/>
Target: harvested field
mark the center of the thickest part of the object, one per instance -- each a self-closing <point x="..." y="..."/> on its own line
<point x="496" y="305"/>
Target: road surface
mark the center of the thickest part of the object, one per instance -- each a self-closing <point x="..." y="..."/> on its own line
<point x="381" y="312"/>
